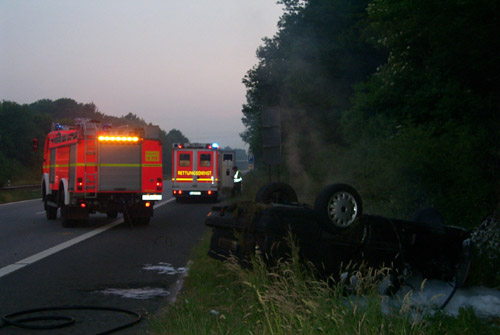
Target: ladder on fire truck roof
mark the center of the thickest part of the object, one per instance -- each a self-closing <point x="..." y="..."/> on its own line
<point x="89" y="131"/>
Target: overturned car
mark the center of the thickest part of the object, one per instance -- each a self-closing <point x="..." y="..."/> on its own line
<point x="335" y="232"/>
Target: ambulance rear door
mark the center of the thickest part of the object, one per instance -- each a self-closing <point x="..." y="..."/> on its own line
<point x="206" y="169"/>
<point x="183" y="163"/>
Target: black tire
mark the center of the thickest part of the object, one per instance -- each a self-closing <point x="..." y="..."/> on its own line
<point x="50" y="211"/>
<point x="112" y="214"/>
<point x="337" y="206"/>
<point x="275" y="192"/>
<point x="67" y="223"/>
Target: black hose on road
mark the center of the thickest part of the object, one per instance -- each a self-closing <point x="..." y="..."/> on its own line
<point x="62" y="321"/>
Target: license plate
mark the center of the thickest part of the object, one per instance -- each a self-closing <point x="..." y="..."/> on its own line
<point x="151" y="197"/>
<point x="194" y="193"/>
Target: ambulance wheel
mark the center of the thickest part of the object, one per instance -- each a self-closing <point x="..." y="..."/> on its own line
<point x="275" y="192"/>
<point x="337" y="206"/>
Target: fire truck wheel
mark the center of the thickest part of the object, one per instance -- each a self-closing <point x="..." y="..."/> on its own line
<point x="337" y="206"/>
<point x="112" y="214"/>
<point x="67" y="223"/>
<point x="50" y="212"/>
<point x="278" y="193"/>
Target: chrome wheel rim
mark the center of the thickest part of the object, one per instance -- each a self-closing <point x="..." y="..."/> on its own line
<point x="342" y="209"/>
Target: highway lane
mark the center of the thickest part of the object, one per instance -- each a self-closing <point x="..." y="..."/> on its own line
<point x="136" y="268"/>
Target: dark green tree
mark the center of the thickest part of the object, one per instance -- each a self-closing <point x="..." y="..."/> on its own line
<point x="431" y="111"/>
<point x="308" y="69"/>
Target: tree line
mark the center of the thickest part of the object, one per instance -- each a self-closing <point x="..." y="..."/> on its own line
<point x="397" y="97"/>
<point x="20" y="124"/>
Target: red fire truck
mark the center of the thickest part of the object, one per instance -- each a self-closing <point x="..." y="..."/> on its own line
<point x="90" y="167"/>
<point x="195" y="170"/>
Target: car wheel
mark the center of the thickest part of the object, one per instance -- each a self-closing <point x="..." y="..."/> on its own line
<point x="279" y="193"/>
<point x="337" y="206"/>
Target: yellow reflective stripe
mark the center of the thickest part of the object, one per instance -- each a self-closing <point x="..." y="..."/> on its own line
<point x="83" y="164"/>
<point x="105" y="165"/>
<point x="56" y="165"/>
<point x="119" y="165"/>
<point x="184" y="179"/>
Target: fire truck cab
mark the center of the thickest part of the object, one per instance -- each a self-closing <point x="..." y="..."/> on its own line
<point x="90" y="167"/>
<point x="195" y="170"/>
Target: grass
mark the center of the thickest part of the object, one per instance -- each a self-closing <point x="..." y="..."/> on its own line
<point x="224" y="298"/>
<point x="19" y="194"/>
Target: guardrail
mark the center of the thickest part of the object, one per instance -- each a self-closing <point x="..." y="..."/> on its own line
<point x="8" y="188"/>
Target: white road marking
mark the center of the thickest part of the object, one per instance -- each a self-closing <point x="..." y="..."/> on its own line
<point x="38" y="213"/>
<point x="41" y="255"/>
<point x="19" y="202"/>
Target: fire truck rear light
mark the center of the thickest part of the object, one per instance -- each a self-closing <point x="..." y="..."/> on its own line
<point x="147" y="204"/>
<point x="79" y="183"/>
<point x="180" y="191"/>
<point x="82" y="205"/>
<point x="209" y="192"/>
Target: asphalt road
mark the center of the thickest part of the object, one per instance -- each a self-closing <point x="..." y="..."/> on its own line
<point x="105" y="263"/>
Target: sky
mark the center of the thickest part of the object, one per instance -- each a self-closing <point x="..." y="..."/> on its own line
<point x="178" y="64"/>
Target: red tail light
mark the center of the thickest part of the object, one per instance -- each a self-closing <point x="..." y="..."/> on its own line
<point x="159" y="184"/>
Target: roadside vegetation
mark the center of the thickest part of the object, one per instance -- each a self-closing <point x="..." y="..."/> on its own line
<point x="225" y="298"/>
<point x="397" y="98"/>
<point x="20" y="194"/>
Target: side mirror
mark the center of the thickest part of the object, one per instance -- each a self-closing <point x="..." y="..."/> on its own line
<point x="35" y="144"/>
